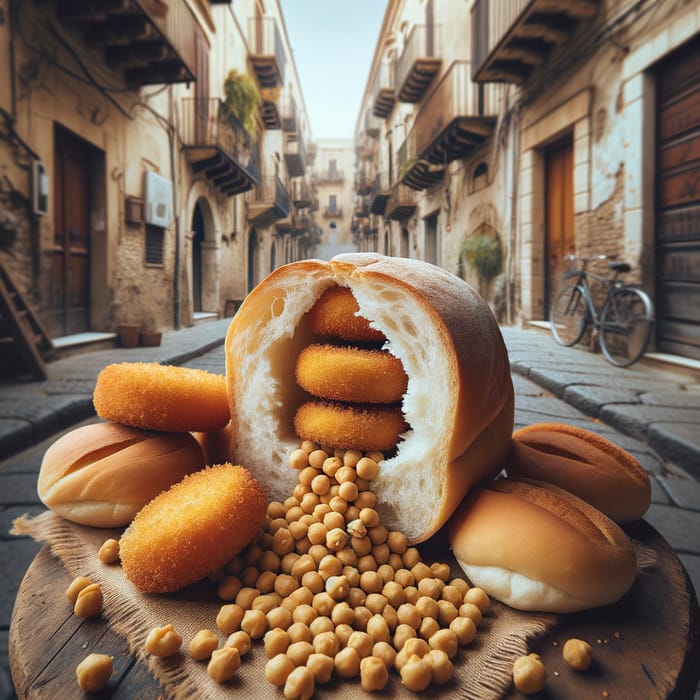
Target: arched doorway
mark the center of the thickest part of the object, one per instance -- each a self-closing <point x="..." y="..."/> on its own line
<point x="198" y="235"/>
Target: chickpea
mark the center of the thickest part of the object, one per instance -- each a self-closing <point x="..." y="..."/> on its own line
<point x="347" y="662"/>
<point x="77" y="585"/>
<point x="412" y="594"/>
<point x="371" y="582"/>
<point x="402" y="633"/>
<point x="300" y="684"/>
<point x="163" y="641"/>
<point x="342" y="614"/>
<point x="317" y="533"/>
<point x="282" y="542"/>
<point x="330" y="566"/>
<point x="331" y="466"/>
<point x="302" y="565"/>
<point x="381" y="553"/>
<point x="416" y="674"/>
<point x="323" y="604"/>
<point x="279" y="617"/>
<point x="318" y="551"/>
<point x="317" y="457"/>
<point x="326" y="643"/>
<point x="420" y="571"/>
<point x="348" y="490"/>
<point x="410" y="557"/>
<point x="378" y="534"/>
<point x="298" y="530"/>
<point x="362" y="546"/>
<point x="304" y="613"/>
<point x="313" y="581"/>
<point x="298" y="459"/>
<point x="471" y="611"/>
<point x="309" y="501"/>
<point x="94" y="672"/>
<point x="389" y="614"/>
<point x="404" y="577"/>
<point x="427" y="606"/>
<point x="375" y="602"/>
<point x="429" y="588"/>
<point x="293" y="514"/>
<point x="223" y="664"/>
<point x="347" y="557"/>
<point x="336" y="539"/>
<point x="285" y="584"/>
<point x="276" y="641"/>
<point x="465" y="629"/>
<point x="478" y="597"/>
<point x="229" y="618"/>
<point x="362" y="616"/>
<point x="321" y="666"/>
<point x="440" y="571"/>
<point x="254" y="623"/>
<point x="428" y="627"/>
<point x="578" y="654"/>
<point x="385" y="652"/>
<point x="337" y="587"/>
<point x="299" y="632"/>
<point x="89" y="601"/>
<point x="445" y="640"/>
<point x="408" y="615"/>
<point x="378" y="629"/>
<point x="461" y="585"/>
<point x="361" y="642"/>
<point x="321" y="624"/>
<point x="448" y="612"/>
<point x="352" y="575"/>
<point x="203" y="644"/>
<point x="246" y="596"/>
<point x="249" y="576"/>
<point x="334" y="520"/>
<point x="109" y="552"/>
<point x="277" y="669"/>
<point x="299" y="652"/>
<point x="386" y="572"/>
<point x="229" y="588"/>
<point x="241" y="640"/>
<point x="367" y="468"/>
<point x="356" y="528"/>
<point x="338" y="504"/>
<point x="441" y="668"/>
<point x="343" y="632"/>
<point x="266" y="602"/>
<point x="529" y="674"/>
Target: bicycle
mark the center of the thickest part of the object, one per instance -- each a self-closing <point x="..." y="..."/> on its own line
<point x="625" y="322"/>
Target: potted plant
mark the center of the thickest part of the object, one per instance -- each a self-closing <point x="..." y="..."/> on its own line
<point x="128" y="334"/>
<point x="241" y="101"/>
<point x="484" y="253"/>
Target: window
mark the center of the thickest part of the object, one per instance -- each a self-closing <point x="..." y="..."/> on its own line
<point x="332" y="203"/>
<point x="332" y="169"/>
<point x="154" y="245"/>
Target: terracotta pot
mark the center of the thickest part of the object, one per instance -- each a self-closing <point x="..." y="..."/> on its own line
<point x="150" y="339"/>
<point x="129" y="334"/>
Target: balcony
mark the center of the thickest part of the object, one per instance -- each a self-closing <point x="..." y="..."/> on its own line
<point x="383" y="90"/>
<point x="310" y="152"/>
<point x="218" y="147"/>
<point x="456" y="118"/>
<point x="268" y="201"/>
<point x="301" y="193"/>
<point x="266" y="51"/>
<point x="333" y="212"/>
<point x="361" y="208"/>
<point x="380" y="193"/>
<point x="363" y="181"/>
<point x="270" y="112"/>
<point x="330" y="176"/>
<point x="510" y="39"/>
<point x="418" y="64"/>
<point x="288" y="113"/>
<point x="149" y="42"/>
<point x="401" y="203"/>
<point x="294" y="154"/>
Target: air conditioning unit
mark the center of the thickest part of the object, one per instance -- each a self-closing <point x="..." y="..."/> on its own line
<point x="158" y="199"/>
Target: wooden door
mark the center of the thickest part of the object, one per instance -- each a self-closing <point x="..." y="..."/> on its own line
<point x="68" y="305"/>
<point x="677" y="231"/>
<point x="559" y="213"/>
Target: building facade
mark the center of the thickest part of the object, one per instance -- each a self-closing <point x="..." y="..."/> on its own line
<point x="152" y="158"/>
<point x="549" y="128"/>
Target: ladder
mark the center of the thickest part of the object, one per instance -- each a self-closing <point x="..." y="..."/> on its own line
<point x="23" y="339"/>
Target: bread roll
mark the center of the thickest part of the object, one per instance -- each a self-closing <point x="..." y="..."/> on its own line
<point x="586" y="464"/>
<point x="534" y="546"/>
<point x="459" y="400"/>
<point x="102" y="474"/>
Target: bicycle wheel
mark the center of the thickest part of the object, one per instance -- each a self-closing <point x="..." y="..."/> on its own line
<point x="625" y="326"/>
<point x="569" y="316"/>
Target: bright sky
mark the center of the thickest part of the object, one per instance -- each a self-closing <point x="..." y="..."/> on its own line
<point x="333" y="43"/>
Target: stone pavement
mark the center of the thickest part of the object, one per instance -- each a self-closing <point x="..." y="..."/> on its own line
<point x="652" y="412"/>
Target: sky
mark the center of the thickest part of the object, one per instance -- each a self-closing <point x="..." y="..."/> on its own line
<point x="333" y="44"/>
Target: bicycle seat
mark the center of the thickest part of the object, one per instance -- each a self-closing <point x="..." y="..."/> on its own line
<point x="620" y="267"/>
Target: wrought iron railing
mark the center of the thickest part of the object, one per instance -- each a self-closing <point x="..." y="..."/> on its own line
<point x="264" y="39"/>
<point x="423" y="41"/>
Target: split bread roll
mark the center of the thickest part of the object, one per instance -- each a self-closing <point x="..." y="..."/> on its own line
<point x="586" y="464"/>
<point x="534" y="547"/>
<point x="102" y="474"/>
<point x="459" y="398"/>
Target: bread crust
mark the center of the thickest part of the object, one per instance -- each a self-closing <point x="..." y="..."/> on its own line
<point x="584" y="463"/>
<point x="459" y="388"/>
<point x="566" y="554"/>
<point x="102" y="474"/>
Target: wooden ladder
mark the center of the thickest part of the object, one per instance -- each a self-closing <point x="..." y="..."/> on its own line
<point x="23" y="339"/>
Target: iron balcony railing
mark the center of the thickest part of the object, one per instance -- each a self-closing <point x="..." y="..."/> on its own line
<point x="380" y="193"/>
<point x="265" y="41"/>
<point x="490" y="23"/>
<point x="330" y="176"/>
<point x="383" y="90"/>
<point x="288" y="112"/>
<point x="422" y="44"/>
<point x="332" y="212"/>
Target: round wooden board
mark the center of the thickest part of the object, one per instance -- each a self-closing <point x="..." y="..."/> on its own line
<point x="646" y="646"/>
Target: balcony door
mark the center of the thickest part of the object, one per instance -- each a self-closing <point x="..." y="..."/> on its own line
<point x="559" y="212"/>
<point x="68" y="303"/>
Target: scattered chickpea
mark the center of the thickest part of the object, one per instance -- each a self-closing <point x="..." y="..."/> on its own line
<point x="321" y="666"/>
<point x="578" y="654"/>
<point x="441" y="668"/>
<point x="347" y="662"/>
<point x="465" y="630"/>
<point x="94" y="672"/>
<point x="223" y="664"/>
<point x="241" y="640"/>
<point x="416" y="674"/>
<point x="109" y="552"/>
<point x="77" y="585"/>
<point x="529" y="674"/>
<point x="478" y="597"/>
<point x="299" y="652"/>
<point x="229" y="618"/>
<point x="277" y="669"/>
<point x="300" y="684"/>
<point x="163" y="641"/>
<point x="373" y="674"/>
<point x="89" y="601"/>
<point x="203" y="644"/>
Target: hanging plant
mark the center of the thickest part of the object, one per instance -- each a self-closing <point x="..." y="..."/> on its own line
<point x="242" y="100"/>
<point x="485" y="254"/>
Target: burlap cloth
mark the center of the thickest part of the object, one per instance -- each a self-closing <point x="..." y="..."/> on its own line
<point x="482" y="670"/>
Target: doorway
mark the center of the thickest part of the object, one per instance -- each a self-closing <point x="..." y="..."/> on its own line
<point x="559" y="212"/>
<point x="198" y="235"/>
<point x="68" y="302"/>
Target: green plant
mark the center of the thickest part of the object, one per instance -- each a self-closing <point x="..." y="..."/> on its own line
<point x="242" y="100"/>
<point x="485" y="254"/>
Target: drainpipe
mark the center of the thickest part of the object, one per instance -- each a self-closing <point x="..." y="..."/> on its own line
<point x="515" y="126"/>
<point x="176" y="215"/>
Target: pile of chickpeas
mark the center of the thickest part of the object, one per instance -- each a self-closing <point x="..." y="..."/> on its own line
<point x="330" y="590"/>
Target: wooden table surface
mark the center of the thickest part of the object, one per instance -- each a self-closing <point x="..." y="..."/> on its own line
<point x="646" y="646"/>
